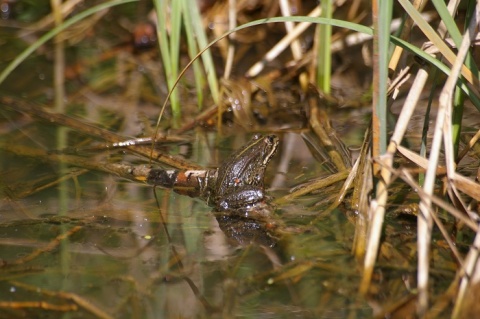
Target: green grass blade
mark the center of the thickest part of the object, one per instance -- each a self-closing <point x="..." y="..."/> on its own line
<point x="162" y="34"/>
<point x="324" y="61"/>
<point x="455" y="34"/>
<point x="175" y="20"/>
<point x="165" y="47"/>
<point x="207" y="57"/>
<point x="435" y="38"/>
<point x="193" y="49"/>
<point x="457" y="37"/>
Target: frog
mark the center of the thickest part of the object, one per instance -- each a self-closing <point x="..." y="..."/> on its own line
<point x="240" y="179"/>
<point x="237" y="183"/>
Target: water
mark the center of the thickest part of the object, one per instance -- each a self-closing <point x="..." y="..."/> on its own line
<point x="108" y="252"/>
<point x="76" y="242"/>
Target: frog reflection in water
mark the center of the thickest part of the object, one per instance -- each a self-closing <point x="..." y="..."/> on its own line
<point x="239" y="180"/>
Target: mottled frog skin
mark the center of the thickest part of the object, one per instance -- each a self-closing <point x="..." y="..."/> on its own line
<point x="239" y="180"/>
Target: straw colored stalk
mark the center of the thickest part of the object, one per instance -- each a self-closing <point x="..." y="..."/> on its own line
<point x="446" y="103"/>
<point x="377" y="208"/>
<point x="282" y="44"/>
<point x="295" y="45"/>
<point x="232" y="24"/>
<point x="443" y="129"/>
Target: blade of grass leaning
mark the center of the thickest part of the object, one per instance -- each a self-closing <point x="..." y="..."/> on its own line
<point x="50" y="34"/>
<point x="324" y="59"/>
<point x="453" y="30"/>
<point x="436" y="40"/>
<point x="450" y="26"/>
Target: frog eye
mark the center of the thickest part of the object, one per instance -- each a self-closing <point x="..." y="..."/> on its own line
<point x="271" y="139"/>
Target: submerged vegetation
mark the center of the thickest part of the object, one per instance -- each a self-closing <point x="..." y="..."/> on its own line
<point x="373" y="196"/>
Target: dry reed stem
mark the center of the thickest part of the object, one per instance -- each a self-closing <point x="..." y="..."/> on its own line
<point x="289" y="26"/>
<point x="467" y="186"/>
<point x="377" y="207"/>
<point x="446" y="235"/>
<point x="460" y="182"/>
<point x="408" y="108"/>
<point x="398" y="81"/>
<point x="319" y="124"/>
<point x="442" y="130"/>
<point x="295" y="45"/>
<point x="282" y="44"/>
<point x="470" y="144"/>
<point x="471" y="220"/>
<point x="470" y="270"/>
<point x="446" y="100"/>
<point x="343" y="191"/>
<point x="232" y="24"/>
<point x="322" y="183"/>
<point x="361" y="193"/>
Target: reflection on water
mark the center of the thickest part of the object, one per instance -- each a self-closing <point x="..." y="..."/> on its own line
<point x="109" y="256"/>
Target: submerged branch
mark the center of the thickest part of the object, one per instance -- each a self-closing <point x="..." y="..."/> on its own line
<point x="84" y="127"/>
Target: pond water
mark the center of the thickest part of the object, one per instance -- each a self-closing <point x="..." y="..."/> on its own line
<point x="106" y="247"/>
<point x="78" y="242"/>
